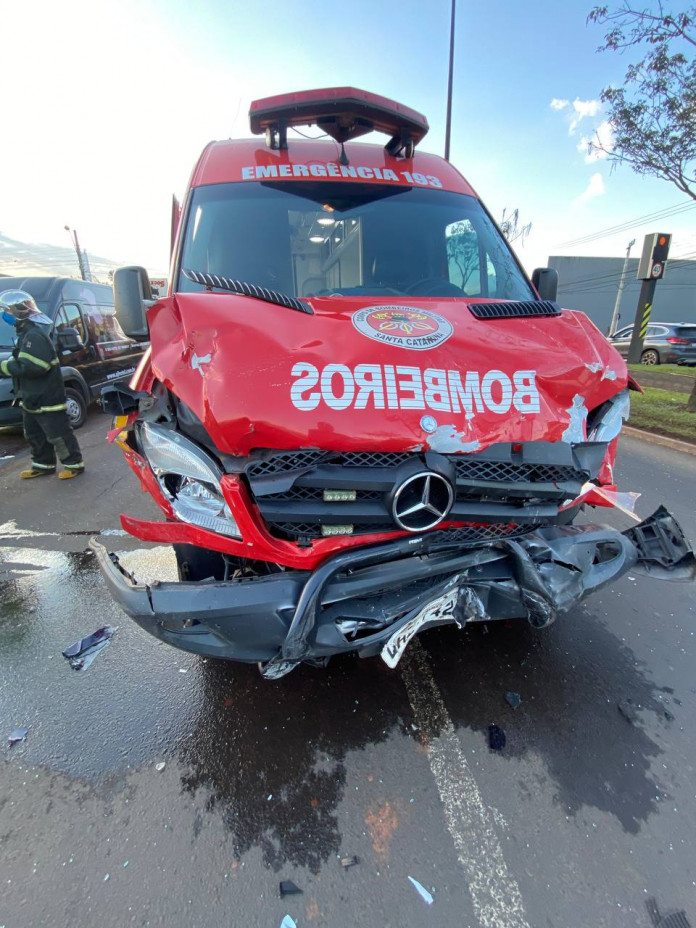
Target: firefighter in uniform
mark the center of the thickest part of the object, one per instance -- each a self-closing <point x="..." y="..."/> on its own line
<point x="38" y="384"/>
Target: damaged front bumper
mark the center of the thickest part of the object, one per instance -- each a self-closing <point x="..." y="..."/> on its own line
<point x="372" y="598"/>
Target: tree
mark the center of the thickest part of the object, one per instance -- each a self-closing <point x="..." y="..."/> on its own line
<point x="653" y="115"/>
<point x="511" y="228"/>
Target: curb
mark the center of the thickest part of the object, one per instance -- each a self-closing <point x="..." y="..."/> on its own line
<point x="674" y="443"/>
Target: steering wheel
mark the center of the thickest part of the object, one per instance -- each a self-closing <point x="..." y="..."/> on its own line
<point x="434" y="286"/>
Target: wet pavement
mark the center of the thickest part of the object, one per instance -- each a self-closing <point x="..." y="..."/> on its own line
<point x="584" y="814"/>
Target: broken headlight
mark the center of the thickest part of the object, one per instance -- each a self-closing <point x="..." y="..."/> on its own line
<point x="189" y="479"/>
<point x="605" y="422"/>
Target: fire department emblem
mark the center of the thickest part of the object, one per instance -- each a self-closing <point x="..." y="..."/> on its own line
<point x="403" y="326"/>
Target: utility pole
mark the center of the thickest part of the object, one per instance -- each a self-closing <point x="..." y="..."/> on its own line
<point x="651" y="268"/>
<point x="615" y="316"/>
<point x="76" y="246"/>
<point x="448" y="122"/>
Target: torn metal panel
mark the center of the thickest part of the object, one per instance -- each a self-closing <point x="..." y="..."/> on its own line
<point x="447" y="440"/>
<point x="578" y="417"/>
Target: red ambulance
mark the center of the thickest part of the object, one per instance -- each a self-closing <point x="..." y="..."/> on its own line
<point x="358" y="416"/>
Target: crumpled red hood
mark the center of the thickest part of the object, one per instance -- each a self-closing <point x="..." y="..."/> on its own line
<point x="376" y="374"/>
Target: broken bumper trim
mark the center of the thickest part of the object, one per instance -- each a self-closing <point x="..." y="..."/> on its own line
<point x="357" y="599"/>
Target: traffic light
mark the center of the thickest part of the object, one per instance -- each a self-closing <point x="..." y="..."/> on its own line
<point x="654" y="257"/>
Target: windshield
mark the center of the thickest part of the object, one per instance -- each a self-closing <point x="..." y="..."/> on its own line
<point x="346" y="239"/>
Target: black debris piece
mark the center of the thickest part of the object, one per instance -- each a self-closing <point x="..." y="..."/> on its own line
<point x="513" y="699"/>
<point x="81" y="654"/>
<point x="349" y="862"/>
<point x="673" y="920"/>
<point x="19" y="734"/>
<point x="496" y="738"/>
<point x="628" y="710"/>
<point x="288" y="888"/>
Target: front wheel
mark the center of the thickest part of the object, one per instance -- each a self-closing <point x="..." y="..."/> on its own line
<point x="650" y="356"/>
<point x="76" y="407"/>
<point x="195" y="564"/>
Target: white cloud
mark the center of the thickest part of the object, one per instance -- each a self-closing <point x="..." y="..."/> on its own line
<point x="595" y="188"/>
<point x="603" y="136"/>
<point x="582" y="109"/>
<point x="557" y="104"/>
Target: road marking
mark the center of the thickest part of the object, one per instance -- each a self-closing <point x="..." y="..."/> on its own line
<point x="494" y="892"/>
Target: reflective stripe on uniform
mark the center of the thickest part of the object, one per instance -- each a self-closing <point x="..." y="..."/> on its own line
<point x="44" y="365"/>
<point x="59" y="408"/>
<point x="55" y="362"/>
<point x="35" y="466"/>
<point x="5" y="368"/>
<point x="79" y="466"/>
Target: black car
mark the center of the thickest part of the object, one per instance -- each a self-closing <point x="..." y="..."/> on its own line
<point x="665" y="343"/>
<point x="91" y="345"/>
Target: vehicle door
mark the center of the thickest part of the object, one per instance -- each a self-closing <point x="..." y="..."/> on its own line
<point x="116" y="355"/>
<point x="621" y="340"/>
<point x="69" y="316"/>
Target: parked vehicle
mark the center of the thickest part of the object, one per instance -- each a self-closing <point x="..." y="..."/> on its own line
<point x="92" y="347"/>
<point x="358" y="416"/>
<point x="665" y="343"/>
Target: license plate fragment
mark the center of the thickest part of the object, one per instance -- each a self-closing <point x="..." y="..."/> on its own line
<point x="441" y="608"/>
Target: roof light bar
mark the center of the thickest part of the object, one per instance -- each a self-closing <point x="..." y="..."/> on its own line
<point x="344" y="113"/>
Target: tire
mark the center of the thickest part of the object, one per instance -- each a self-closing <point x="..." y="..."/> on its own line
<point x="76" y="407"/>
<point x="195" y="564"/>
<point x="650" y="356"/>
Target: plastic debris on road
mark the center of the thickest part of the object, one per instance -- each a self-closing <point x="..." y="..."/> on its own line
<point x="422" y="891"/>
<point x="288" y="922"/>
<point x="496" y="738"/>
<point x="81" y="654"/>
<point x="19" y="734"/>
<point x="288" y="888"/>
<point x="513" y="699"/>
<point x="349" y="862"/>
<point x="673" y="920"/>
<point x="160" y="766"/>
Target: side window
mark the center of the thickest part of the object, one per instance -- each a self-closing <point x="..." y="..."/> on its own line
<point x="622" y="333"/>
<point x="463" y="260"/>
<point x="469" y="266"/>
<point x="69" y="316"/>
<point x="657" y="331"/>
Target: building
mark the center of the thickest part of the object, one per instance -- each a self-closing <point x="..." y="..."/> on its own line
<point x="591" y="285"/>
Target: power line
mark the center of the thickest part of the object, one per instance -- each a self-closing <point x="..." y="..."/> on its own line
<point x="628" y="224"/>
<point x="685" y="260"/>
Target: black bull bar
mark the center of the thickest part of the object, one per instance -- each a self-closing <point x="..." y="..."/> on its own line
<point x="358" y="599"/>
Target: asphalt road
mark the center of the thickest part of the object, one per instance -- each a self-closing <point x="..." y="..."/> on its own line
<point x="580" y="819"/>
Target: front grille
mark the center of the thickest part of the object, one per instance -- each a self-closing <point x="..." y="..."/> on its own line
<point x="505" y="490"/>
<point x="284" y="461"/>
<point x="516" y="309"/>
<point x="473" y="469"/>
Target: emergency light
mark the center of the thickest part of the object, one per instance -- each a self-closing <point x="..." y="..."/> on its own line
<point x="344" y="113"/>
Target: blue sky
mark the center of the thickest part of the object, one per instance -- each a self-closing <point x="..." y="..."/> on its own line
<point x="110" y="105"/>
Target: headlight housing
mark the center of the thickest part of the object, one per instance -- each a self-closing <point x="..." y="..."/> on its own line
<point x="189" y="478"/>
<point x="610" y="417"/>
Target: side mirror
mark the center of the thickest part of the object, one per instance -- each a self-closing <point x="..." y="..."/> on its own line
<point x="69" y="340"/>
<point x="131" y="290"/>
<point x="545" y="279"/>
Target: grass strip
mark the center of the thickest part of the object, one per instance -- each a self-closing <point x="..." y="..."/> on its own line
<point x="664" y="412"/>
<point x="683" y="369"/>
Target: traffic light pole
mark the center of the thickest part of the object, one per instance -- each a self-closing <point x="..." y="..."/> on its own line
<point x="645" y="301"/>
<point x="651" y="268"/>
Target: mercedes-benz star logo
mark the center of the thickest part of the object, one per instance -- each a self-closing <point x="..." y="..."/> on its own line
<point x="422" y="501"/>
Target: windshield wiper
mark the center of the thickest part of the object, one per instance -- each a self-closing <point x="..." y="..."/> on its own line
<point x="214" y="281"/>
